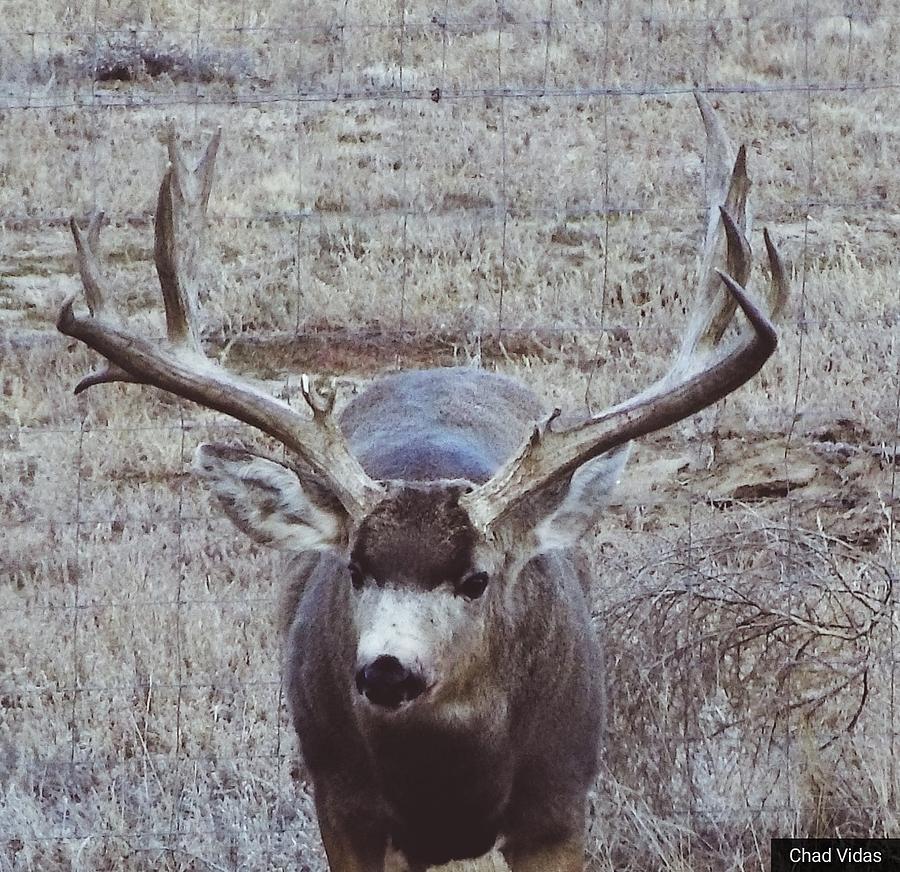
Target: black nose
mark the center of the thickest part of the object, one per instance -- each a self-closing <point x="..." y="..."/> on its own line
<point x="387" y="682"/>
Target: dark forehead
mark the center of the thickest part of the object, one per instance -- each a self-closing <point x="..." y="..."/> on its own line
<point x="419" y="535"/>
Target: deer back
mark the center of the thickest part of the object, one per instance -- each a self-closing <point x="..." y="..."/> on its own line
<point x="425" y="425"/>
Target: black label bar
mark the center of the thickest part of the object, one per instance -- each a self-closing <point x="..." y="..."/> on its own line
<point x="835" y="855"/>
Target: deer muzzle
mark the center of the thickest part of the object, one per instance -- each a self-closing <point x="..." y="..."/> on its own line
<point x="386" y="682"/>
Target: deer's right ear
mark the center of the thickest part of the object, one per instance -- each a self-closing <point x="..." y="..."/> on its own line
<point x="271" y="503"/>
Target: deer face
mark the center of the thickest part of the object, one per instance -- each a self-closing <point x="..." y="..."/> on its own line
<point x="420" y="577"/>
<point x="419" y="595"/>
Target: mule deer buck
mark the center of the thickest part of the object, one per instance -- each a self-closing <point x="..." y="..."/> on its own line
<point x="443" y="673"/>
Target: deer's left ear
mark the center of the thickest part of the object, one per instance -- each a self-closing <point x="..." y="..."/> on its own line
<point x="271" y="503"/>
<point x="585" y="499"/>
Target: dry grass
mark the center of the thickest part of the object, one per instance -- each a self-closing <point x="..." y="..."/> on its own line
<point x="744" y="583"/>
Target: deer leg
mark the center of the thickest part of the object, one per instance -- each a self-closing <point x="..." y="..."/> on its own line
<point x="350" y="849"/>
<point x="566" y="855"/>
<point x="394" y="861"/>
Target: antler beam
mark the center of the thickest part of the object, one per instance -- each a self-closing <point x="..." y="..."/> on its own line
<point x="705" y="369"/>
<point x="178" y="365"/>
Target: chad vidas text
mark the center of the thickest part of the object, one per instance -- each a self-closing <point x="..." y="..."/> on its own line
<point x="829" y="855"/>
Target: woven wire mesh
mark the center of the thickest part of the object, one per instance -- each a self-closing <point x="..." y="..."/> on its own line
<point x="514" y="185"/>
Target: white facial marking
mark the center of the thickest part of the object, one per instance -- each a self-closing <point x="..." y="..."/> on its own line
<point x="417" y="627"/>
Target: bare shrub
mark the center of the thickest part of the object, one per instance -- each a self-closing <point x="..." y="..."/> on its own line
<point x="142" y="59"/>
<point x="750" y="666"/>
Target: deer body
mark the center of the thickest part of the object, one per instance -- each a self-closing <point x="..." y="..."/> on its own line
<point x="493" y="749"/>
<point x="442" y="671"/>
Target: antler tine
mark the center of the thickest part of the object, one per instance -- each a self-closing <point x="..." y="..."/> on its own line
<point x="705" y="369"/>
<point x="780" y="284"/>
<point x="86" y="245"/>
<point x="738" y="254"/>
<point x="175" y="272"/>
<point x="180" y="225"/>
<point x="320" y="400"/>
<point x="110" y="374"/>
<point x="720" y="152"/>
<point x="93" y="232"/>
<point x="708" y="324"/>
<point x="194" y="185"/>
<point x="183" y="176"/>
<point x="88" y="268"/>
<point x="729" y="220"/>
<point x="205" y="167"/>
<point x="727" y="191"/>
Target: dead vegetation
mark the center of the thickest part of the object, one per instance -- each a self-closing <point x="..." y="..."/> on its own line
<point x="763" y="691"/>
<point x="768" y="634"/>
<point x="745" y="583"/>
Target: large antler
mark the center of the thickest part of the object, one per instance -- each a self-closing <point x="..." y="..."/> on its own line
<point x="705" y="370"/>
<point x="178" y="365"/>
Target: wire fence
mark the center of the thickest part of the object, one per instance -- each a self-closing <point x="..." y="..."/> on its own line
<point x="142" y="706"/>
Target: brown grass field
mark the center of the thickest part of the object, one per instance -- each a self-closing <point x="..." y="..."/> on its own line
<point x="517" y="186"/>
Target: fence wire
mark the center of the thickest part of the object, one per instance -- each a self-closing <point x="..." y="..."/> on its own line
<point x="185" y="759"/>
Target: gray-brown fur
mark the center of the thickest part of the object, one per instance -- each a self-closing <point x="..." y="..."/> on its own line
<point x="419" y="535"/>
<point x="462" y="423"/>
<point x="520" y="765"/>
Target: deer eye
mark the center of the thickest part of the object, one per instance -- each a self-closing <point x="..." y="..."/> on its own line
<point x="473" y="586"/>
<point x="357" y="577"/>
